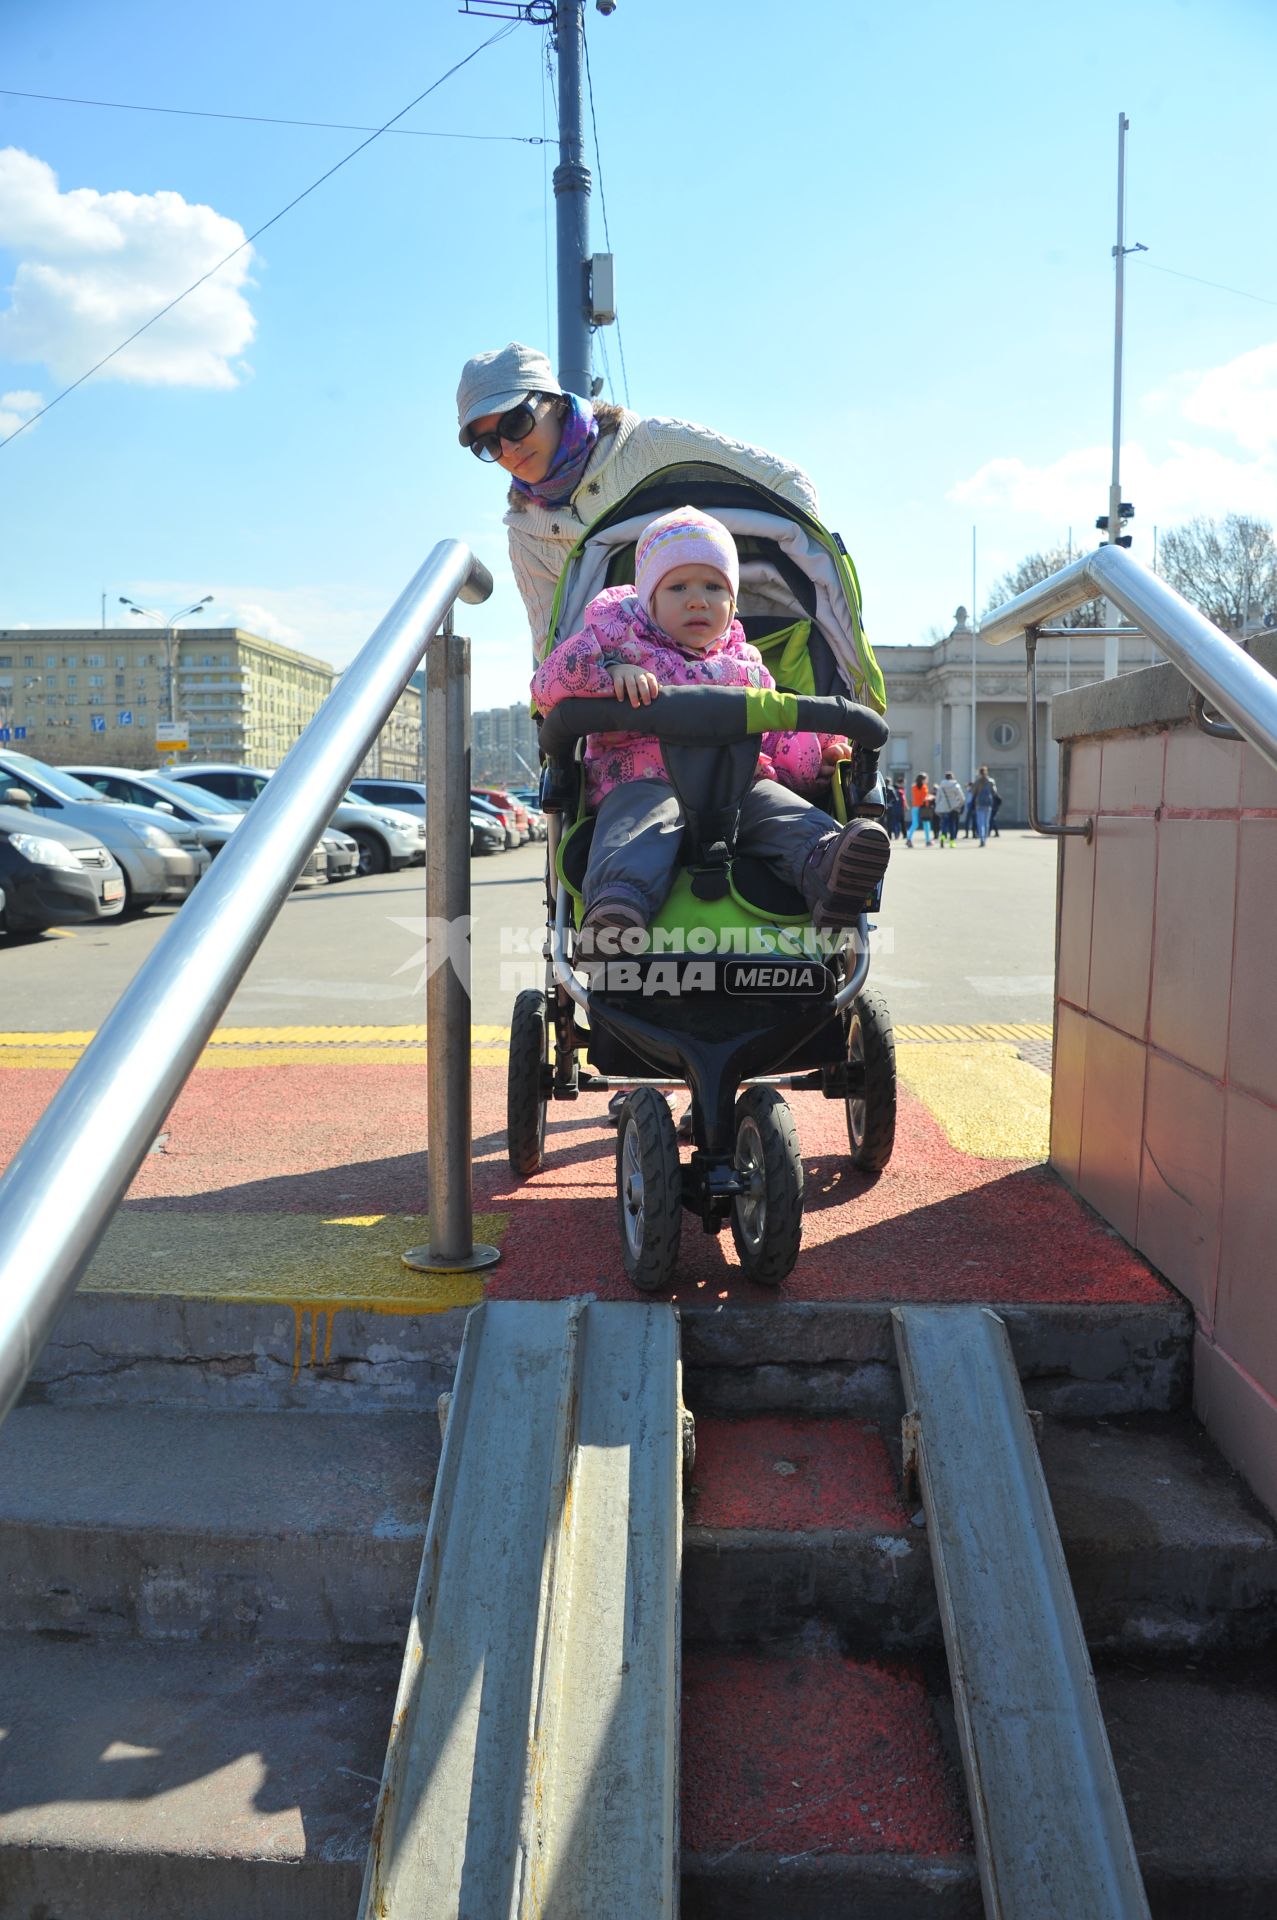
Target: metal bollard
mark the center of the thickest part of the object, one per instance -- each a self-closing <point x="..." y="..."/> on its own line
<point x="450" y="1181"/>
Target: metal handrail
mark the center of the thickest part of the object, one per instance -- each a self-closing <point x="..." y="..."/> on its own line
<point x="66" y="1180"/>
<point x="1216" y="665"/>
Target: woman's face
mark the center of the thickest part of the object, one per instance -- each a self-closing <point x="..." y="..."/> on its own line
<point x="527" y="459"/>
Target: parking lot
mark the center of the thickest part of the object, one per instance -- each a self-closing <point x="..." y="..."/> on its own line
<point x="964" y="937"/>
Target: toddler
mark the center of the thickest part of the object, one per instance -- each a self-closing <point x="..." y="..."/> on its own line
<point x="677" y="626"/>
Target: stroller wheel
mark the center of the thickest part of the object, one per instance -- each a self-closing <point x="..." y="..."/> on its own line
<point x="871" y="1055"/>
<point x="767" y="1220"/>
<point x="525" y="1084"/>
<point x="649" y="1190"/>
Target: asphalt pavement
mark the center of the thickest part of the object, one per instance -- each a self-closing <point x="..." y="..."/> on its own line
<point x="964" y="937"/>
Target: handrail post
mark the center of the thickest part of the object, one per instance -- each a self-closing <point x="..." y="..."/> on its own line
<point x="448" y="1110"/>
<point x="1052" y="832"/>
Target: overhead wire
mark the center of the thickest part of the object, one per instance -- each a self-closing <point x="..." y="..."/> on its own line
<point x="598" y="162"/>
<point x="1219" y="286"/>
<point x="257" y="232"/>
<point x="270" y="119"/>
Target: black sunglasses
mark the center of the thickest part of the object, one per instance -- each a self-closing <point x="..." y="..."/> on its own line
<point x="515" y="425"/>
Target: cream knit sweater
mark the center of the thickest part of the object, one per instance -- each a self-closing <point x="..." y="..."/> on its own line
<point x="542" y="537"/>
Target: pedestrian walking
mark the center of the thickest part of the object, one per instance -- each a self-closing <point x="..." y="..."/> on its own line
<point x="993" y="816"/>
<point x="950" y="801"/>
<point x="968" y="811"/>
<point x="983" y="789"/>
<point x="895" y="811"/>
<point x="919" y="810"/>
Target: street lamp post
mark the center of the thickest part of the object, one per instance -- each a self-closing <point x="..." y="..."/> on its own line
<point x="169" y="624"/>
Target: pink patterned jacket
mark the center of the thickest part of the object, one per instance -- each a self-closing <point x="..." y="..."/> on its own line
<point x="617" y="629"/>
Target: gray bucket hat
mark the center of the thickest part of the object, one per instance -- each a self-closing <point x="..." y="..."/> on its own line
<point x="495" y="382"/>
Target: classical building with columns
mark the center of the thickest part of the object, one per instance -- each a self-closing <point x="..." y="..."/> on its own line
<point x="930" y="707"/>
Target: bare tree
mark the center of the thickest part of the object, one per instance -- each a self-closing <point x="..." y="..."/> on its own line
<point x="1039" y="566"/>
<point x="1227" y="568"/>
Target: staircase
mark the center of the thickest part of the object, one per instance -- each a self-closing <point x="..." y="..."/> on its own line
<point x="208" y="1571"/>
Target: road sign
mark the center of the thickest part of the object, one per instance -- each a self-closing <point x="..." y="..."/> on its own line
<point x="171" y="736"/>
<point x="4" y="733"/>
<point x="19" y="733"/>
<point x="97" y="723"/>
<point x="126" y="718"/>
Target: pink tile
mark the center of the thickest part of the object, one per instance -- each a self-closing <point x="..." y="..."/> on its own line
<point x="1122" y="926"/>
<point x="1252" y="1040"/>
<point x="1077" y="887"/>
<point x="1201" y="774"/>
<point x="1068" y="1070"/>
<point x="1240" y="1418"/>
<point x="1193" y="941"/>
<point x="1083" y="791"/>
<point x="1131" y="772"/>
<point x="1180" y="1184"/>
<point x="1259" y="780"/>
<point x="1245" y="1324"/>
<point x="1112" y="1119"/>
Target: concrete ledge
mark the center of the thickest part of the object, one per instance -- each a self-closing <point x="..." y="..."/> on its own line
<point x="1154" y="697"/>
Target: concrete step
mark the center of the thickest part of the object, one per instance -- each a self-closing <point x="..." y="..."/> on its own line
<point x="790" y="1519"/>
<point x="228" y="1526"/>
<point x="1075" y="1361"/>
<point x="816" y="1785"/>
<point x="116" y="1348"/>
<point x="216" y="1782"/>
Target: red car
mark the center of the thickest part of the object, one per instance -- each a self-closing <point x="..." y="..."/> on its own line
<point x="518" y="813"/>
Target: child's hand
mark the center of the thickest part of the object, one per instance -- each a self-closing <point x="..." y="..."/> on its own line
<point x="835" y="750"/>
<point x="635" y="684"/>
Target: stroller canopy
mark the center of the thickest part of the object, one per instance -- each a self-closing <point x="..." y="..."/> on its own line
<point x="799" y="597"/>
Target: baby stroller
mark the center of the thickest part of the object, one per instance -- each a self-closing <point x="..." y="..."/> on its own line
<point x="734" y="994"/>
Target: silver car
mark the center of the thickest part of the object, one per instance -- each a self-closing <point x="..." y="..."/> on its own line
<point x="159" y="863"/>
<point x="386" y="839"/>
<point x="212" y="818"/>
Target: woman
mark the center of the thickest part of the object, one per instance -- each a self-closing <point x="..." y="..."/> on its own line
<point x="919" y="810"/>
<point x="570" y="459"/>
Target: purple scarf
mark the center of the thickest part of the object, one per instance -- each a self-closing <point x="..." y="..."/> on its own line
<point x="576" y="444"/>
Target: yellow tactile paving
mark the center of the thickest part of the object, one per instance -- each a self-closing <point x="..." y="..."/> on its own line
<point x="404" y="1045"/>
<point x="294" y="1261"/>
<point x="990" y="1103"/>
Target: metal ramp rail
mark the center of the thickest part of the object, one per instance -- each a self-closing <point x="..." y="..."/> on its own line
<point x="1052" y="1837"/>
<point x="533" y="1759"/>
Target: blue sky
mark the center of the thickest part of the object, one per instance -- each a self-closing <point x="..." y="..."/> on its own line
<point x="874" y="239"/>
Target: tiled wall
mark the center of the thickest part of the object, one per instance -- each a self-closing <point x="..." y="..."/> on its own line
<point x="1164" y="1113"/>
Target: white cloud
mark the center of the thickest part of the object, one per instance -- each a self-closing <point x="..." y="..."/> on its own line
<point x="1240" y="400"/>
<point x="1166" y="489"/>
<point x="92" y="267"/>
<point x="15" y="408"/>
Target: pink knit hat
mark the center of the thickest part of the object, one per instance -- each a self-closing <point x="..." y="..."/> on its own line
<point x="681" y="539"/>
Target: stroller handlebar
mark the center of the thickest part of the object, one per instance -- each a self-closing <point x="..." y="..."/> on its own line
<point x="712" y="716"/>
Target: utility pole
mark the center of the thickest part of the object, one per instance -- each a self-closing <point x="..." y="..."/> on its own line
<point x="572" y="207"/>
<point x="1112" y="523"/>
<point x="584" y="280"/>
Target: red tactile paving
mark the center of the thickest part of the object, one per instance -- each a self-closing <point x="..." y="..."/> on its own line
<point x="813" y="1755"/>
<point x="792" y="1475"/>
<point x="332" y="1138"/>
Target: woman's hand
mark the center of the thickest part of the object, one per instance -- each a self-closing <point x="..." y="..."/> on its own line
<point x="634" y="684"/>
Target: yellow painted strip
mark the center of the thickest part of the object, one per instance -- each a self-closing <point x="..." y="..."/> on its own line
<point x="276" y="1036"/>
<point x="305" y="1264"/>
<point x="990" y="1103"/>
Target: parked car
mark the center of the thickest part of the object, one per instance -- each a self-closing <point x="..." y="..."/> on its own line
<point x="513" y="838"/>
<point x="213" y="818"/>
<point x="408" y="795"/>
<point x="530" y="798"/>
<point x="157" y="862"/>
<point x="487" y="835"/>
<point x="343" y="854"/>
<point x="502" y="797"/>
<point x="52" y="876"/>
<point x="386" y="840"/>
